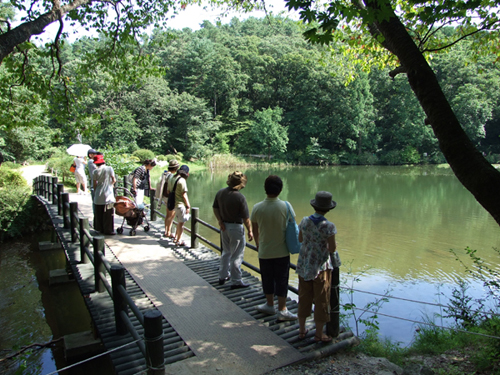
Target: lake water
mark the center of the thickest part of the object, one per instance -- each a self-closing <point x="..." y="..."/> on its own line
<point x="395" y="226"/>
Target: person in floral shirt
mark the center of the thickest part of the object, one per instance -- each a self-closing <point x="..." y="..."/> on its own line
<point x="314" y="266"/>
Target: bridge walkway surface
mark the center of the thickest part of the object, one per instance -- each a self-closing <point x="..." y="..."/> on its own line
<point x="208" y="328"/>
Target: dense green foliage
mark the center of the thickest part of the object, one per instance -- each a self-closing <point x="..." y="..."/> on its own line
<point x="15" y="203"/>
<point x="256" y="87"/>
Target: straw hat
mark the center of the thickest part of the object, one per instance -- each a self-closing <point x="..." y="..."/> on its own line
<point x="236" y="180"/>
<point x="173" y="164"/>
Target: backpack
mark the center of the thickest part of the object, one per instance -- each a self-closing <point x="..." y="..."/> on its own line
<point x="171" y="197"/>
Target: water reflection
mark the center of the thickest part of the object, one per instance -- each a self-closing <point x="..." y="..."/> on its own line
<point x="395" y="225"/>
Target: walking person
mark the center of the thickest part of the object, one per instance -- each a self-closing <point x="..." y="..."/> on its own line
<point x="182" y="206"/>
<point x="162" y="195"/>
<point x="142" y="180"/>
<point x="80" y="177"/>
<point x="314" y="265"/>
<point x="104" y="179"/>
<point x="269" y="219"/>
<point x="231" y="210"/>
<point x="91" y="167"/>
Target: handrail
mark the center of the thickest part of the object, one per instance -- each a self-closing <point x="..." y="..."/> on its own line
<point x="80" y="230"/>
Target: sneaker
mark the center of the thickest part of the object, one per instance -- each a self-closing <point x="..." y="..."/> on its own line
<point x="266" y="309"/>
<point x="286" y="315"/>
<point x="223" y="281"/>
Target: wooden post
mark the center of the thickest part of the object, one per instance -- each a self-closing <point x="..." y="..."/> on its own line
<point x="333" y="326"/>
<point x="65" y="209"/>
<point x="44" y="187"/>
<point x="84" y="240"/>
<point x="153" y="336"/>
<point x="73" y="212"/>
<point x="194" y="227"/>
<point x="152" y="199"/>
<point x="60" y="191"/>
<point x="119" y="303"/>
<point x="54" y="190"/>
<point x="125" y="185"/>
<point x="98" y="264"/>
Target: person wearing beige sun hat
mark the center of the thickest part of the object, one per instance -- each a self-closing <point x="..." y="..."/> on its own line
<point x="231" y="210"/>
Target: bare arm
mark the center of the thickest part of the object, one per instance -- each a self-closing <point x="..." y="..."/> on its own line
<point x="332" y="245"/>
<point x="248" y="225"/>
<point x="219" y="219"/>
<point x="186" y="200"/>
<point x="300" y="236"/>
<point x="255" y="228"/>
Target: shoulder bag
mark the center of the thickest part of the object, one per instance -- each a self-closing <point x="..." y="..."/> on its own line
<point x="292" y="233"/>
<point x="171" y="197"/>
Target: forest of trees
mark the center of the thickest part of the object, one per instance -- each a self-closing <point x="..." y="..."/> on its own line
<point x="252" y="87"/>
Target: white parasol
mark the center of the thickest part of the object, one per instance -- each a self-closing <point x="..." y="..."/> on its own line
<point x="78" y="149"/>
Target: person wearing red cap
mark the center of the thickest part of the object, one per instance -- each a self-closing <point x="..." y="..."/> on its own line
<point x="104" y="199"/>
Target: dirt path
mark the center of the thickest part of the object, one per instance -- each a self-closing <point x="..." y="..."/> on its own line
<point x="29" y="172"/>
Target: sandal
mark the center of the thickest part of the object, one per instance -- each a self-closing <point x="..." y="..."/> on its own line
<point x="322" y="339"/>
<point x="302" y="335"/>
<point x="181" y="243"/>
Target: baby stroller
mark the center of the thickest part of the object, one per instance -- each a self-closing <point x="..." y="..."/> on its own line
<point x="132" y="214"/>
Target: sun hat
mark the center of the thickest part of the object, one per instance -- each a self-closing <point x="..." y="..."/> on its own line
<point x="99" y="159"/>
<point x="91" y="151"/>
<point x="236" y="180"/>
<point x="323" y="201"/>
<point x="173" y="164"/>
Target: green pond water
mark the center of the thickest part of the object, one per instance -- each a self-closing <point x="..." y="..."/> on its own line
<point x="396" y="226"/>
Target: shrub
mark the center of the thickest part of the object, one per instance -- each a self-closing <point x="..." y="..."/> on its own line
<point x="367" y="158"/>
<point x="392" y="157"/>
<point x="14" y="204"/>
<point x="144" y="154"/>
<point x="410" y="155"/>
<point x="60" y="163"/>
<point x="10" y="178"/>
<point x="11" y="165"/>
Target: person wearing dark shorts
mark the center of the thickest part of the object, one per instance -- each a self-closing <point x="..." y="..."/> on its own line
<point x="268" y="223"/>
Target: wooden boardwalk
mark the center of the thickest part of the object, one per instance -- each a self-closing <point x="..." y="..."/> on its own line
<point x="208" y="329"/>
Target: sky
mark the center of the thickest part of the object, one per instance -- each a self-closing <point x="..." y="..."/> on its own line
<point x="191" y="17"/>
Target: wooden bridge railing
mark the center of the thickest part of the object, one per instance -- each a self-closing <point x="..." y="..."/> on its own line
<point x="332" y="327"/>
<point x="152" y="345"/>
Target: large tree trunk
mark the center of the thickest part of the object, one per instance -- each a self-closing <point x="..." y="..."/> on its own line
<point x="23" y="32"/>
<point x="468" y="164"/>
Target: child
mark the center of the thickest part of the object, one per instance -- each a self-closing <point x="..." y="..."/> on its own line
<point x="314" y="266"/>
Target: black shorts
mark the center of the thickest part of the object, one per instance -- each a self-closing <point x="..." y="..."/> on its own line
<point x="275" y="273"/>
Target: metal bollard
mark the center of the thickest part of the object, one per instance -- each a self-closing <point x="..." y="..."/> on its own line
<point x="153" y="336"/>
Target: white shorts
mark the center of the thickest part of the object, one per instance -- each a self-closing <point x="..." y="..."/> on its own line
<point x="81" y="179"/>
<point x="181" y="215"/>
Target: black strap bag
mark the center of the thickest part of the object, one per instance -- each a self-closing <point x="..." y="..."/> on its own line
<point x="171" y="197"/>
